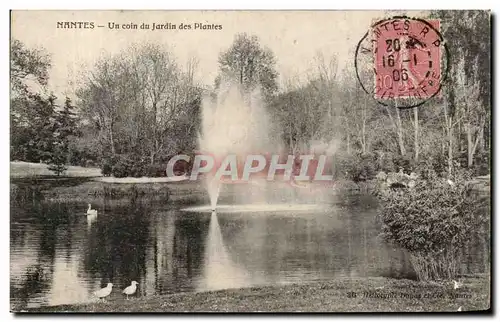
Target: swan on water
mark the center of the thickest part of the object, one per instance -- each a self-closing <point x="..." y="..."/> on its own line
<point x="91" y="211"/>
<point x="130" y="290"/>
<point x="104" y="292"/>
<point x="457" y="284"/>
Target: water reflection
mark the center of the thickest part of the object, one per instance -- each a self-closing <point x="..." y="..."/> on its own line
<point x="59" y="255"/>
<point x="219" y="270"/>
<point x="90" y="220"/>
<point x="66" y="283"/>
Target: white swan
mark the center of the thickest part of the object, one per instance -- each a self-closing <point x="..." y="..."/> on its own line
<point x="91" y="211"/>
<point x="129" y="290"/>
<point x="457" y="284"/>
<point x="90" y="220"/>
<point x="104" y="292"/>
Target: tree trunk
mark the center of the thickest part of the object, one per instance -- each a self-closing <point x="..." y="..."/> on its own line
<point x="459" y="136"/>
<point x="155" y="140"/>
<point x="112" y="139"/>
<point x="400" y="134"/>
<point x="398" y="129"/>
<point x="469" y="146"/>
<point x="450" y="146"/>
<point x="348" y="144"/>
<point x="415" y="113"/>
<point x="448" y="121"/>
<point x="473" y="144"/>
<point x="363" y="130"/>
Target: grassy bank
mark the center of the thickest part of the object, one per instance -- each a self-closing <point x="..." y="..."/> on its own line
<point x="139" y="180"/>
<point x="85" y="190"/>
<point x="372" y="295"/>
<point x="20" y="169"/>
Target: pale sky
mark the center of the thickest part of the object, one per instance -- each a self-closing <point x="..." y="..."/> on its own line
<point x="295" y="37"/>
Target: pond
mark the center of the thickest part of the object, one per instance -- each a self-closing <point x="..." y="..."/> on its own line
<point x="61" y="256"/>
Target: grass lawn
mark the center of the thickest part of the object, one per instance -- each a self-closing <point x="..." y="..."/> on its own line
<point x="138" y="180"/>
<point x="372" y="295"/>
<point x="20" y="169"/>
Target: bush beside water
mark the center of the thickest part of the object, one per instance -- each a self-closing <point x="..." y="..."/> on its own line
<point x="122" y="166"/>
<point x="434" y="221"/>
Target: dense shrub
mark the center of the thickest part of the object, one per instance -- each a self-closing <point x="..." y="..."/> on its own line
<point x="57" y="160"/>
<point x="385" y="162"/>
<point x="368" y="166"/>
<point x="481" y="164"/>
<point x="436" y="162"/>
<point x="356" y="167"/>
<point x="81" y="157"/>
<point x="156" y="170"/>
<point x="118" y="191"/>
<point x="405" y="162"/>
<point x="343" y="166"/>
<point x="138" y="168"/>
<point x="107" y="167"/>
<point x="122" y="167"/>
<point x="433" y="221"/>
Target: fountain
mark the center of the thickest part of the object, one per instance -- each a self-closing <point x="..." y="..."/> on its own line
<point x="233" y="122"/>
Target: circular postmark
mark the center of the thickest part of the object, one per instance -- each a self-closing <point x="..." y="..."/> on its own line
<point x="402" y="62"/>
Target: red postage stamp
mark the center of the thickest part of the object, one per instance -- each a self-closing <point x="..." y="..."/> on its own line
<point x="407" y="58"/>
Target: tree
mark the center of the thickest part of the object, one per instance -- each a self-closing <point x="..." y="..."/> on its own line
<point x="356" y="113"/>
<point x="469" y="77"/>
<point x="433" y="221"/>
<point x="250" y="65"/>
<point x="467" y="100"/>
<point x="105" y="96"/>
<point x="142" y="104"/>
<point x="27" y="64"/>
<point x="58" y="157"/>
<point x="30" y="112"/>
<point x="64" y="128"/>
<point x="66" y="120"/>
<point x="33" y="133"/>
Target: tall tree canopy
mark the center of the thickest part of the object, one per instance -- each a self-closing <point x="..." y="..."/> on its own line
<point x="27" y="64"/>
<point x="250" y="64"/>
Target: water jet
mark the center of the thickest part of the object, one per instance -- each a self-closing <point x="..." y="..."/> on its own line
<point x="233" y="122"/>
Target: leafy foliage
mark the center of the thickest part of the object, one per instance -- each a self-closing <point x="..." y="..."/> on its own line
<point x="433" y="221"/>
<point x="140" y="102"/>
<point x="250" y="64"/>
<point x="58" y="160"/>
<point x="125" y="165"/>
<point x="122" y="167"/>
<point x="107" y="167"/>
<point x="27" y="64"/>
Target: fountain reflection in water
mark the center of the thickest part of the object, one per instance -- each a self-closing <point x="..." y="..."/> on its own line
<point x="220" y="272"/>
<point x="235" y="122"/>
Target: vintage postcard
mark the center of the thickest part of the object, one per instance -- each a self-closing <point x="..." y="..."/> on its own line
<point x="250" y="161"/>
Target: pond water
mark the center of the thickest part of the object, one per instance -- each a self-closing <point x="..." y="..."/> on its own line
<point x="61" y="256"/>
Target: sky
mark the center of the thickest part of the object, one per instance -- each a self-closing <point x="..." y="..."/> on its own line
<point x="295" y="37"/>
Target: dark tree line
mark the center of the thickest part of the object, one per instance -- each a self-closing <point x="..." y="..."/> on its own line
<point x="41" y="131"/>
